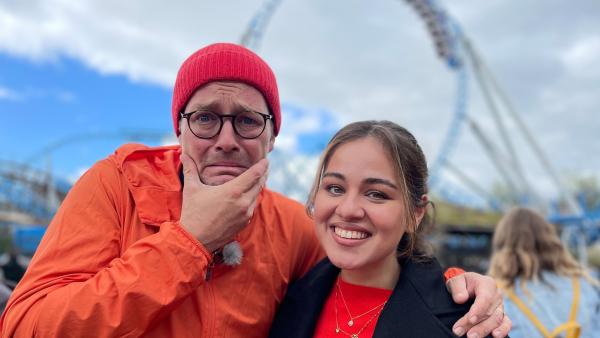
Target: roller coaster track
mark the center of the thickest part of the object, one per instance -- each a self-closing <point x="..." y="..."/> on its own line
<point x="31" y="195"/>
<point x="459" y="54"/>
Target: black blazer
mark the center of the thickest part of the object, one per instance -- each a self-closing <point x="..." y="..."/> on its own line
<point x="420" y="305"/>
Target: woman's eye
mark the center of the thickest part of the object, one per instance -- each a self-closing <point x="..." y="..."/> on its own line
<point x="335" y="189"/>
<point x="378" y="195"/>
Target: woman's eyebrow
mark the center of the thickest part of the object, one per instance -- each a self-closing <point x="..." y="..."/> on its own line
<point x="334" y="174"/>
<point x="383" y="181"/>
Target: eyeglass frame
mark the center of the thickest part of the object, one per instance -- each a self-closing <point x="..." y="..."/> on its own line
<point x="266" y="117"/>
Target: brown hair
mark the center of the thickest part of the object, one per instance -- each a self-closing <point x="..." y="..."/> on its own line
<point x="524" y="245"/>
<point x="411" y="167"/>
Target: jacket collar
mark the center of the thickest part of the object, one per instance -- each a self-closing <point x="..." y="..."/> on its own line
<point x="416" y="301"/>
<point x="152" y="175"/>
<point x="154" y="179"/>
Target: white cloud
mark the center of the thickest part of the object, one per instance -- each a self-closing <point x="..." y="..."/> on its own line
<point x="9" y="94"/>
<point x="357" y="59"/>
<point x="61" y="95"/>
<point x="582" y="57"/>
<point x="169" y="140"/>
<point x="66" y="96"/>
<point x="75" y="175"/>
<point x="144" y="40"/>
<point x="300" y="167"/>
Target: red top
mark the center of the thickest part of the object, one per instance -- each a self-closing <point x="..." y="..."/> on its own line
<point x="359" y="300"/>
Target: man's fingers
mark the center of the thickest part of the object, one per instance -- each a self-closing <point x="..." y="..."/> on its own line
<point x="249" y="178"/>
<point x="487" y="298"/>
<point x="479" y="309"/>
<point x="190" y="172"/>
<point x="461" y="326"/>
<point x="503" y="330"/>
<point x="457" y="286"/>
<point x="498" y="303"/>
<point x="493" y="324"/>
<point x="253" y="193"/>
<point x="486" y="308"/>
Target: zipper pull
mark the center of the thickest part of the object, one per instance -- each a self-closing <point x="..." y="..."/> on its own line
<point x="217" y="258"/>
<point x="209" y="269"/>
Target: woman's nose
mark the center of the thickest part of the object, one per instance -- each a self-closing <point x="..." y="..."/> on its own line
<point x="350" y="208"/>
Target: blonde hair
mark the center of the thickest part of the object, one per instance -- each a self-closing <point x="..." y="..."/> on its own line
<point x="410" y="165"/>
<point x="524" y="245"/>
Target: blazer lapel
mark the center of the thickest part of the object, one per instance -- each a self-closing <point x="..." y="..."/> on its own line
<point x="304" y="303"/>
<point x="406" y="312"/>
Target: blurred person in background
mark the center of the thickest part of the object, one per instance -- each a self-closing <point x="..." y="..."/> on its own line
<point x="548" y="293"/>
<point x="5" y="292"/>
<point x="12" y="266"/>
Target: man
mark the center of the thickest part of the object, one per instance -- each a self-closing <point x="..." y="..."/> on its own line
<point x="139" y="245"/>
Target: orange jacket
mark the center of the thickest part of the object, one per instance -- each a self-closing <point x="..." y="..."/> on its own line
<point x="115" y="263"/>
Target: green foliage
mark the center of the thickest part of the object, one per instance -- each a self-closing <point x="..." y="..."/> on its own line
<point x="450" y="214"/>
<point x="5" y="239"/>
<point x="587" y="188"/>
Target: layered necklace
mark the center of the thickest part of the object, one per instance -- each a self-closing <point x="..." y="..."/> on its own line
<point x="375" y="313"/>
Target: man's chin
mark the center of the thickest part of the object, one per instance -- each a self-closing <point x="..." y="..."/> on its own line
<point x="217" y="180"/>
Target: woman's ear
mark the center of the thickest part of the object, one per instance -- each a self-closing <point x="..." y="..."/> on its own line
<point x="311" y="209"/>
<point x="421" y="209"/>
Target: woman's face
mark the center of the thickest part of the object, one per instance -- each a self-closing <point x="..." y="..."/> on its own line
<point x="358" y="208"/>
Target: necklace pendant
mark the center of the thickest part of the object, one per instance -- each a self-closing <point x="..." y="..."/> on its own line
<point x="337" y="330"/>
<point x="350" y="323"/>
<point x="354" y="335"/>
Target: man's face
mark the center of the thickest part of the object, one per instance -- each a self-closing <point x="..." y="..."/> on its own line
<point x="226" y="155"/>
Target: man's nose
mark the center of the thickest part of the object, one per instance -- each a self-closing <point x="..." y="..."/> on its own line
<point x="227" y="140"/>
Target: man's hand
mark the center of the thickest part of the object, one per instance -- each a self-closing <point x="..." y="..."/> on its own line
<point x="215" y="214"/>
<point x="487" y="312"/>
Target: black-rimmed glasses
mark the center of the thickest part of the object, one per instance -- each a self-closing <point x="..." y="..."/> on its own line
<point x="206" y="124"/>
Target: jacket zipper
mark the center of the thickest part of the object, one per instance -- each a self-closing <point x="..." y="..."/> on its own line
<point x="216" y="258"/>
<point x="209" y="269"/>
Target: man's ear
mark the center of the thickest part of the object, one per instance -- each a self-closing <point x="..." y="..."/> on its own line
<point x="271" y="143"/>
<point x="179" y="136"/>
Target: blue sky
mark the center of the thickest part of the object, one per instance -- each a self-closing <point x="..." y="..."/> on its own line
<point x="52" y="101"/>
<point x="69" y="115"/>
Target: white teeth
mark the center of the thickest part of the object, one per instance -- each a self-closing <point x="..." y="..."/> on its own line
<point x="350" y="234"/>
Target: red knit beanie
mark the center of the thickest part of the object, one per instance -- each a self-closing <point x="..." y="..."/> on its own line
<point x="224" y="62"/>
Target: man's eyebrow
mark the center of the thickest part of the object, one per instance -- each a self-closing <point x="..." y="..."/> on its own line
<point x="383" y="181"/>
<point x="215" y="106"/>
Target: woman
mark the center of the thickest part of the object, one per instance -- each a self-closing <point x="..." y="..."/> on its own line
<point x="541" y="279"/>
<point x="368" y="202"/>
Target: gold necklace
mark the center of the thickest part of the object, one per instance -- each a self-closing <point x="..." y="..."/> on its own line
<point x="338" y="329"/>
<point x="351" y="321"/>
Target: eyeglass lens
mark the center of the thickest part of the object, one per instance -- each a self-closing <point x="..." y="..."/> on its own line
<point x="207" y="124"/>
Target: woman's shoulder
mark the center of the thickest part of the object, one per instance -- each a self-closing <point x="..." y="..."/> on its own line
<point x="299" y="311"/>
<point x="322" y="274"/>
<point x="421" y="299"/>
<point x="426" y="277"/>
